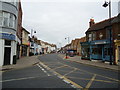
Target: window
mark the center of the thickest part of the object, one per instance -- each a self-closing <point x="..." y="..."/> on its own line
<point x="15" y="2"/>
<point x="7" y="19"/>
<point x="93" y="36"/>
<point x="12" y="21"/>
<point x="1" y="19"/>
<point x="8" y="43"/>
<point x="107" y="51"/>
<point x="107" y="33"/>
<point x="90" y="37"/>
<point x="95" y="51"/>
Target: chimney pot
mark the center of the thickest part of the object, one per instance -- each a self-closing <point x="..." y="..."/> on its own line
<point x="91" y="22"/>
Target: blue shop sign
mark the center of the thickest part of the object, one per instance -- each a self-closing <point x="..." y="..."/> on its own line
<point x="100" y="42"/>
<point x="7" y="36"/>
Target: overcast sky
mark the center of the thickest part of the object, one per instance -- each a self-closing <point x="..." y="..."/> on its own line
<point x="54" y="20"/>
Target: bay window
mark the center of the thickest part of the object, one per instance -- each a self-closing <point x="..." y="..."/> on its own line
<point x="7" y="19"/>
<point x="1" y="19"/>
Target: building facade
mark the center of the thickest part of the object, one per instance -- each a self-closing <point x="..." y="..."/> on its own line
<point x="8" y="28"/>
<point x="19" y="30"/>
<point x="97" y="46"/>
<point x="25" y="47"/>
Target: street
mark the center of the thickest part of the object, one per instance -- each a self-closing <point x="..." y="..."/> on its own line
<point x="55" y="72"/>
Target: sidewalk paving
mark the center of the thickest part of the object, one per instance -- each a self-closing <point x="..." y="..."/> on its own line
<point x="22" y="63"/>
<point x="96" y="63"/>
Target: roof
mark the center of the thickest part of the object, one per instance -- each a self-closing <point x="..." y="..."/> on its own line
<point x="25" y="30"/>
<point x="100" y="25"/>
<point x="104" y="23"/>
<point x="117" y="19"/>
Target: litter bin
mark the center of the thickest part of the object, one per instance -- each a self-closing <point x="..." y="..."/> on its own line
<point x="14" y="59"/>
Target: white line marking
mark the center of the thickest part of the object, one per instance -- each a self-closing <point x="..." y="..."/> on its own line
<point x="66" y="81"/>
<point x="73" y="86"/>
<point x="18" y="79"/>
<point x="43" y="70"/>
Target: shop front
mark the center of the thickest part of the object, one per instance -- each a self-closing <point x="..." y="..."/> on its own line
<point x="7" y="49"/>
<point x="117" y="51"/>
<point x="85" y="50"/>
<point x="100" y="50"/>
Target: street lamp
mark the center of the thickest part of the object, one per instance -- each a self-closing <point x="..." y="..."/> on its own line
<point x="67" y="48"/>
<point x="110" y="31"/>
<point x="32" y="32"/>
<point x="68" y="39"/>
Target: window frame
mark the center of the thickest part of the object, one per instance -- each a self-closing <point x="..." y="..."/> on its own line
<point x="8" y="21"/>
<point x="1" y="18"/>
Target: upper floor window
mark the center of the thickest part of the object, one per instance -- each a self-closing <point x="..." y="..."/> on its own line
<point x="1" y="19"/>
<point x="92" y="36"/>
<point x="14" y="2"/>
<point x="107" y="33"/>
<point x="89" y="37"/>
<point x="7" y="19"/>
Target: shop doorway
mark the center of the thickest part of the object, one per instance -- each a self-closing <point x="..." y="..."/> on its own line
<point x="7" y="55"/>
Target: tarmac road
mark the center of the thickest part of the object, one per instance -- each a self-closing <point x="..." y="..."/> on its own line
<point x="55" y="72"/>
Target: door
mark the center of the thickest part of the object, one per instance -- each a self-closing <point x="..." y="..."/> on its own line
<point x="7" y="55"/>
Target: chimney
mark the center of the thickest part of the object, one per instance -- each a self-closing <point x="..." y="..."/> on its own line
<point x="91" y="22"/>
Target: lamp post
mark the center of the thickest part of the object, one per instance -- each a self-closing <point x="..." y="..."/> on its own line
<point x="110" y="31"/>
<point x="67" y="48"/>
<point x="32" y="32"/>
<point x="68" y="39"/>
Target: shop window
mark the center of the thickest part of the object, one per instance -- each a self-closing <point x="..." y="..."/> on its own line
<point x="100" y="50"/>
<point x="7" y="42"/>
<point x="107" y="51"/>
<point x="95" y="51"/>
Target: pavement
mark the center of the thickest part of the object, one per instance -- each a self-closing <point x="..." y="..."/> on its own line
<point x="22" y="63"/>
<point x="96" y="63"/>
<point x="32" y="60"/>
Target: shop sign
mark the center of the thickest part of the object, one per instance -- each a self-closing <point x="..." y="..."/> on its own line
<point x="7" y="36"/>
<point x="104" y="42"/>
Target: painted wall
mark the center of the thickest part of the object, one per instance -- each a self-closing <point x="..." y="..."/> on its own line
<point x="1" y="51"/>
<point x="11" y="8"/>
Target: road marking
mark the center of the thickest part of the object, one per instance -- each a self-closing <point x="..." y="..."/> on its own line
<point x="90" y="79"/>
<point x="74" y="72"/>
<point x="69" y="72"/>
<point x="18" y="79"/>
<point x="43" y="70"/>
<point x="90" y="82"/>
<point x="73" y="86"/>
<point x="73" y="83"/>
<point x="94" y="73"/>
<point x="66" y="81"/>
<point x="59" y="67"/>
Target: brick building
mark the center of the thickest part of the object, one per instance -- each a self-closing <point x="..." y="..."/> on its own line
<point x="97" y="45"/>
<point x="19" y="30"/>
